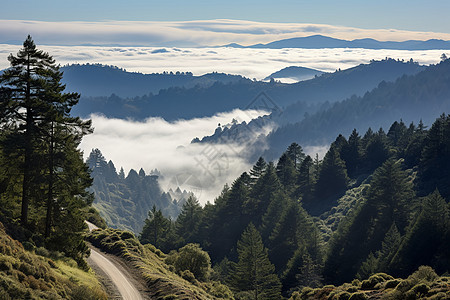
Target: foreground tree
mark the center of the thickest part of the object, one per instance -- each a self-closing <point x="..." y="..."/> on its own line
<point x="254" y="274"/>
<point x="36" y="112"/>
<point x="42" y="139"/>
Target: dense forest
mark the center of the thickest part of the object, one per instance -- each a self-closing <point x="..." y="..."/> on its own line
<point x="374" y="210"/>
<point x="375" y="203"/>
<point x="228" y="93"/>
<point x="124" y="201"/>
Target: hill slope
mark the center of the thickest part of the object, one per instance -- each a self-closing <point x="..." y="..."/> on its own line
<point x="180" y="102"/>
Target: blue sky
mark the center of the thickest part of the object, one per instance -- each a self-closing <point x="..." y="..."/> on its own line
<point x="415" y="15"/>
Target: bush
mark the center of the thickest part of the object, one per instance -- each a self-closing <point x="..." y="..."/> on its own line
<point x="191" y="257"/>
<point x="187" y="275"/>
<point x="358" y="296"/>
<point x="390" y="284"/>
<point x="424" y="273"/>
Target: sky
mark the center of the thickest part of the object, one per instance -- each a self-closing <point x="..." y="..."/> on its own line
<point x="416" y="15"/>
<point x="196" y="23"/>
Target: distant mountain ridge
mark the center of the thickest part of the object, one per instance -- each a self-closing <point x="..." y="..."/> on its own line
<point x="199" y="101"/>
<point x="93" y="80"/>
<point x="295" y="73"/>
<point x="320" y="41"/>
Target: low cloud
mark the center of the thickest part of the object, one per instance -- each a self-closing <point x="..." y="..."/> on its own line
<point x="187" y="33"/>
<point x="156" y="143"/>
<point x="252" y="63"/>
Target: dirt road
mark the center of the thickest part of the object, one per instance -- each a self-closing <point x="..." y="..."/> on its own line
<point x="126" y="289"/>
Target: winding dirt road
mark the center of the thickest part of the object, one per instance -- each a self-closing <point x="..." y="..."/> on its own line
<point x="126" y="289"/>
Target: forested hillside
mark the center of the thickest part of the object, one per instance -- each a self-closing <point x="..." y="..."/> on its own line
<point x="375" y="203"/>
<point x="199" y="101"/>
<point x="124" y="201"/>
<point x="411" y="98"/>
<point x="93" y="80"/>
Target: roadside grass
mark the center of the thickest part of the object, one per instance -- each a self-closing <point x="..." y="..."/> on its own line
<point x="27" y="275"/>
<point x="161" y="279"/>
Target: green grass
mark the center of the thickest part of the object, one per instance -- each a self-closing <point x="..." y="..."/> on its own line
<point x="27" y="275"/>
<point x="422" y="284"/>
<point x="161" y="280"/>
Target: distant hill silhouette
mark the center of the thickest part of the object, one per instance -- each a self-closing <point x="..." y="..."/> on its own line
<point x="91" y="80"/>
<point x="295" y="73"/>
<point x="199" y="101"/>
<point x="423" y="96"/>
<point x="320" y="41"/>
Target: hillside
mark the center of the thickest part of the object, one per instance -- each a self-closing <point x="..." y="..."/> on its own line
<point x="294" y="74"/>
<point x="154" y="266"/>
<point x="37" y="273"/>
<point x="377" y="202"/>
<point x="180" y="102"/>
<point x="416" y="97"/>
<point x="124" y="201"/>
<point x="93" y="80"/>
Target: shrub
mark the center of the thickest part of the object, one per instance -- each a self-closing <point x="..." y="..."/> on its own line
<point x="390" y="284"/>
<point x="424" y="273"/>
<point x="187" y="275"/>
<point x="191" y="257"/>
<point x="358" y="296"/>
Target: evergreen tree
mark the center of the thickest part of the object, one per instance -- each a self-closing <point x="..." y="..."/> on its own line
<point x="287" y="173"/>
<point x="258" y="169"/>
<point x="296" y="154"/>
<point x="253" y="272"/>
<point x="387" y="202"/>
<point x="42" y="138"/>
<point x="376" y="152"/>
<point x="188" y="221"/>
<point x="306" y="180"/>
<point x="309" y="275"/>
<point x="156" y="229"/>
<point x="39" y="111"/>
<point x="332" y="180"/>
<point x="426" y="243"/>
<point x="351" y="154"/>
<point x="434" y="167"/>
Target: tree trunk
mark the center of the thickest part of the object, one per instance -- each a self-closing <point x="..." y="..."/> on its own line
<point x="48" y="221"/>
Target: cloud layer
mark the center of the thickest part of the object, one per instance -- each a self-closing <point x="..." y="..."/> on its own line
<point x="252" y="63"/>
<point x="156" y="143"/>
<point x="188" y="33"/>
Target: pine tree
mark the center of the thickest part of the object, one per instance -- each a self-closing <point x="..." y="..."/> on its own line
<point x="332" y="180"/>
<point x="36" y="108"/>
<point x="296" y="154"/>
<point x="253" y="272"/>
<point x="258" y="169"/>
<point x="287" y="173"/>
<point x="43" y="139"/>
<point x="351" y="154"/>
<point x="426" y="243"/>
<point x="156" y="229"/>
<point x="188" y="221"/>
<point x="388" y="197"/>
<point x="306" y="180"/>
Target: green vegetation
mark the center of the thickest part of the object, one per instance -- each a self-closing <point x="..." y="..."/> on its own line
<point x="123" y="201"/>
<point x="43" y="176"/>
<point x="365" y="209"/>
<point x="41" y="274"/>
<point x="179" y="275"/>
<point x="422" y="284"/>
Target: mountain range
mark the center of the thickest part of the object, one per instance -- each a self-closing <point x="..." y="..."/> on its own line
<point x="320" y="41"/>
<point x="421" y="96"/>
<point x="199" y="101"/>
